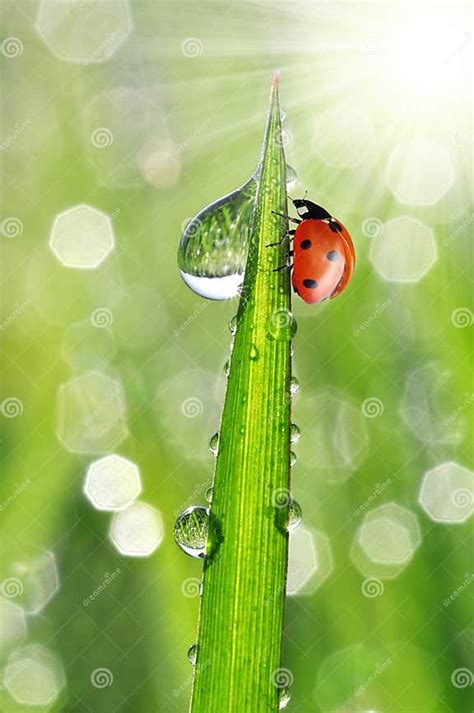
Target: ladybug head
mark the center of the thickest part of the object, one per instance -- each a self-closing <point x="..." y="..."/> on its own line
<point x="308" y="209"/>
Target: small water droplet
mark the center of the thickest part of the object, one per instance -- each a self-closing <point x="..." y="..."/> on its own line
<point x="214" y="246"/>
<point x="295" y="433"/>
<point x="214" y="443"/>
<point x="294" y="385"/>
<point x="227" y="367"/>
<point x="292" y="457"/>
<point x="281" y="325"/>
<point x="192" y="654"/>
<point x="254" y="353"/>
<point x="208" y="494"/>
<point x="191" y="530"/>
<point x="233" y="324"/>
<point x="294" y="515"/>
<point x="284" y="699"/>
<point x="282" y="114"/>
<point x="291" y="177"/>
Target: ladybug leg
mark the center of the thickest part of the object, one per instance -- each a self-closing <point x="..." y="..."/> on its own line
<point x="288" y="265"/>
<point x="289" y="234"/>
<point x="288" y="217"/>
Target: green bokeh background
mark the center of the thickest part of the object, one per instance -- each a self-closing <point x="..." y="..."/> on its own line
<point x="200" y="115"/>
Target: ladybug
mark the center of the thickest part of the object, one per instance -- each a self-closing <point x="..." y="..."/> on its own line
<point x="323" y="253"/>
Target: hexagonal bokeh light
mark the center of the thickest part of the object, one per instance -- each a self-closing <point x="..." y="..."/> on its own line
<point x="84" y="32"/>
<point x="82" y="237"/>
<point x="309" y="561"/>
<point x="87" y="347"/>
<point x="419" y="172"/>
<point x="34" y="675"/>
<point x="404" y="250"/>
<point x="386" y="541"/>
<point x="343" y="136"/>
<point x="91" y="416"/>
<point x="13" y="628"/>
<point x="33" y="581"/>
<point x="337" y="440"/>
<point x="137" y="531"/>
<point x="112" y="483"/>
<point x="447" y="493"/>
<point x="423" y="405"/>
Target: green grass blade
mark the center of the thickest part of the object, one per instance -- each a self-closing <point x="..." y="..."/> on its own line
<point x="240" y="627"/>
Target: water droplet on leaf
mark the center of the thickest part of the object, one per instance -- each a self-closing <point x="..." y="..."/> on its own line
<point x="294" y="385"/>
<point x="291" y="177"/>
<point x="213" y="250"/>
<point x="281" y="325"/>
<point x="227" y="367"/>
<point x="208" y="494"/>
<point x="214" y="443"/>
<point x="192" y="653"/>
<point x="294" y="515"/>
<point x="233" y="324"/>
<point x="191" y="529"/>
<point x="284" y="698"/>
<point x="292" y="458"/>
<point x="254" y="353"/>
<point x="295" y="433"/>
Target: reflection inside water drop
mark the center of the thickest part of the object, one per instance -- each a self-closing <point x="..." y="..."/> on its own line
<point x="213" y="250"/>
<point x="191" y="530"/>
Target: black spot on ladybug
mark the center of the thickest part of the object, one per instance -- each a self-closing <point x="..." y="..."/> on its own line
<point x="335" y="226"/>
<point x="312" y="284"/>
<point x="332" y="255"/>
<point x="306" y="244"/>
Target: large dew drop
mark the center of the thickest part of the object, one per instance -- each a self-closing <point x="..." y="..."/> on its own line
<point x="213" y="250"/>
<point x="191" y="530"/>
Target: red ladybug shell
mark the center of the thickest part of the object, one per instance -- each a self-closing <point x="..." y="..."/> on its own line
<point x="323" y="260"/>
